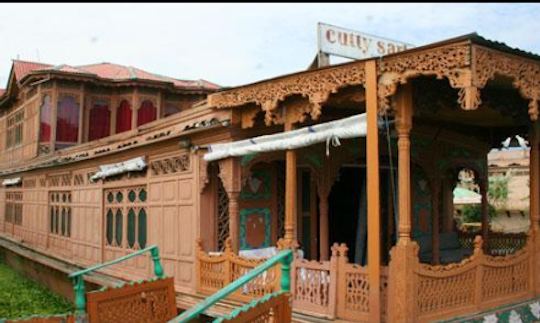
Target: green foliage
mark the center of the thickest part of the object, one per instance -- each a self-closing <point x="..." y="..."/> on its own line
<point x="498" y="191"/>
<point x="21" y="297"/>
<point x="473" y="213"/>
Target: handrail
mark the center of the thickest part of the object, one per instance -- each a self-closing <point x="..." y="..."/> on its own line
<point x="78" y="276"/>
<point x="284" y="257"/>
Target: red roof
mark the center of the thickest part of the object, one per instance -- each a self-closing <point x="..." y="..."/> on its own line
<point x="23" y="68"/>
<point x="118" y="72"/>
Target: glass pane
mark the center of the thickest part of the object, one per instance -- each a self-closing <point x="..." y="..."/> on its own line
<point x="67" y="121"/>
<point x="142" y="195"/>
<point x="119" y="197"/>
<point x="57" y="220"/>
<point x="100" y="120"/>
<point x="69" y="222"/>
<point x="142" y="228"/>
<point x="109" y="227"/>
<point x="123" y="117"/>
<point x="131" y="228"/>
<point x="146" y="113"/>
<point x="132" y="196"/>
<point x="52" y="220"/>
<point x="63" y="222"/>
<point x="118" y="228"/>
<point x="45" y="120"/>
<point x="110" y="197"/>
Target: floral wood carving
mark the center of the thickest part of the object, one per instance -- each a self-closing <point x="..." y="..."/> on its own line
<point x="170" y="165"/>
<point x="525" y="74"/>
<point x="316" y="86"/>
<point x="450" y="61"/>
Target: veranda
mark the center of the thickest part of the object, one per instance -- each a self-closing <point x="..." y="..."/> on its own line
<point x="374" y="214"/>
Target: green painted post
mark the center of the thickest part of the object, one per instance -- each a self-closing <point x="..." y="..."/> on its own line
<point x="80" y="298"/>
<point x="286" y="273"/>
<point x="158" y="269"/>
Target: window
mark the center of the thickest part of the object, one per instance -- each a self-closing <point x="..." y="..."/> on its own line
<point x="126" y="217"/>
<point x="99" y="124"/>
<point x="123" y="117"/>
<point x="171" y="108"/>
<point x="45" y="119"/>
<point x="146" y="113"/>
<point x="67" y="122"/>
<point x="60" y="213"/>
<point x="14" y="208"/>
<point x="15" y="129"/>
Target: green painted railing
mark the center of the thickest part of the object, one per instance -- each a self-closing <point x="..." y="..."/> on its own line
<point x="78" y="276"/>
<point x="284" y="258"/>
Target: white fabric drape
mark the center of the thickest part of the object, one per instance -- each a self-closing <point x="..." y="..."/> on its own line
<point x="135" y="164"/>
<point x="329" y="132"/>
<point x="11" y="181"/>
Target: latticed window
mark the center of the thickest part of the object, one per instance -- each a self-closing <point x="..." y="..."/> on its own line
<point x="222" y="216"/>
<point x="14" y="208"/>
<point x="15" y="129"/>
<point x="126" y="217"/>
<point x="60" y="213"/>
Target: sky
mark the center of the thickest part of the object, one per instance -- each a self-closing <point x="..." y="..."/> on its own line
<point x="235" y="44"/>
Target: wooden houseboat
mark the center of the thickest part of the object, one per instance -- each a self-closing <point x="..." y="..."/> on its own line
<point x="352" y="165"/>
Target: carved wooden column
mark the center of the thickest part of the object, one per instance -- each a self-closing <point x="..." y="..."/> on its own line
<point x="230" y="173"/>
<point x="485" y="210"/>
<point x="373" y="194"/>
<point x="290" y="194"/>
<point x="403" y="256"/>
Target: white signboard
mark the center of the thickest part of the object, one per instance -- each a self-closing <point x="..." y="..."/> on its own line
<point x="356" y="45"/>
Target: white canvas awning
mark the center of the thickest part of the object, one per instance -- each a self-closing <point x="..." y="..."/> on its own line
<point x="329" y="132"/>
<point x="11" y="181"/>
<point x="135" y="164"/>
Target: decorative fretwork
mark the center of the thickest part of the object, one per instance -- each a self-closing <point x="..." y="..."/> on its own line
<point x="147" y="301"/>
<point x="126" y="217"/>
<point x="14" y="207"/>
<point x="450" y="61"/>
<point x="222" y="215"/>
<point x="525" y="74"/>
<point x="171" y="165"/>
<point x="29" y="183"/>
<point x="59" y="180"/>
<point x="60" y="213"/>
<point x="78" y="180"/>
<point x="44" y="149"/>
<point x="497" y="244"/>
<point x="316" y="86"/>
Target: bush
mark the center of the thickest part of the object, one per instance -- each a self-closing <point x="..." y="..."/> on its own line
<point x="473" y="213"/>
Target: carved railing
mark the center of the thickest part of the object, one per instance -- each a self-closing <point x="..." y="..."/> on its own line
<point x="334" y="288"/>
<point x="475" y="284"/>
<point x="273" y="307"/>
<point x="497" y="244"/>
<point x="215" y="271"/>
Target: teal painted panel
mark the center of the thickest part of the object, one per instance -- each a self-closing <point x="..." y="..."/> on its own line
<point x="257" y="186"/>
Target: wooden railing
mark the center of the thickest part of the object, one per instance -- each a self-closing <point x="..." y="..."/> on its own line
<point x="334" y="288"/>
<point x="475" y="284"/>
<point x="498" y="243"/>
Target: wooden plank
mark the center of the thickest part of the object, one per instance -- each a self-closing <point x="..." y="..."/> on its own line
<point x="373" y="202"/>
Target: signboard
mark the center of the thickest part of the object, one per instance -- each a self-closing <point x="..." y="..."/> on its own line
<point x="356" y="45"/>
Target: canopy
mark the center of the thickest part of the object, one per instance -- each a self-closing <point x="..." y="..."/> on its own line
<point x="464" y="196"/>
<point x="329" y="132"/>
<point x="135" y="164"/>
<point x="11" y="181"/>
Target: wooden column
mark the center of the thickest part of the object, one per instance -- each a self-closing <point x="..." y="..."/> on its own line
<point x="534" y="173"/>
<point x="485" y="209"/>
<point x="403" y="256"/>
<point x="230" y="174"/>
<point x="134" y="108"/>
<point x="373" y="201"/>
<point x="54" y="114"/>
<point x="324" y="246"/>
<point x="290" y="194"/>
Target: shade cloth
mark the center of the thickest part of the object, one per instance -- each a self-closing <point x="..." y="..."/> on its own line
<point x="11" y="181"/>
<point x="329" y="132"/>
<point x="135" y="164"/>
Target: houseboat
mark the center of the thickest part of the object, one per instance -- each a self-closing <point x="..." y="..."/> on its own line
<point x="353" y="166"/>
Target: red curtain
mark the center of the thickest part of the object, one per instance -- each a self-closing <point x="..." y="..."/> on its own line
<point x="45" y="120"/>
<point x="123" y="117"/>
<point x="67" y="120"/>
<point x="147" y="113"/>
<point x="100" y="121"/>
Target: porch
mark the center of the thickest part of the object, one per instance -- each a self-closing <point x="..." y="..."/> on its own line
<point x="375" y="213"/>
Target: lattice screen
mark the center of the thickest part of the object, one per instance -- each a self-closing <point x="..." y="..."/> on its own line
<point x="222" y="215"/>
<point x="60" y="213"/>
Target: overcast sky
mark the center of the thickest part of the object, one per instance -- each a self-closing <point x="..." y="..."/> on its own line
<point x="234" y="44"/>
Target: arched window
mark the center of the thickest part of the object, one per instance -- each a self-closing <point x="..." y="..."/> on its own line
<point x="67" y="121"/>
<point x="99" y="124"/>
<point x="171" y="108"/>
<point x="45" y="119"/>
<point x="123" y="117"/>
<point x="146" y="113"/>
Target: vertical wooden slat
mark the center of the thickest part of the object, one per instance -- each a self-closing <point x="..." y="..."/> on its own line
<point x="290" y="192"/>
<point x="374" y="225"/>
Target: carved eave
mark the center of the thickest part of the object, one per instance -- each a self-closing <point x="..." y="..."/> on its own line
<point x="315" y="85"/>
<point x="524" y="72"/>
